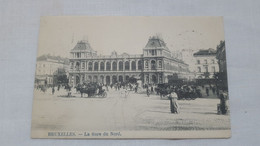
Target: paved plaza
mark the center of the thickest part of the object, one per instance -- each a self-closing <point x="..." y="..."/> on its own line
<point x="135" y="111"/>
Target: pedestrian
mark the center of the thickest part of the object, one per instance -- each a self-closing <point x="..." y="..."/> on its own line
<point x="53" y="90"/>
<point x="173" y="103"/>
<point x="148" y="91"/>
<point x="213" y="90"/>
<point x="136" y="89"/>
<point x="222" y="106"/>
<point x="207" y="91"/>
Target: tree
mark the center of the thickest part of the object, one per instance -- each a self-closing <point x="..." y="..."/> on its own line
<point x="60" y="77"/>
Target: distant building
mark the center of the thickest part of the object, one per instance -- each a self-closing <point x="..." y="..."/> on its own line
<point x="187" y="57"/>
<point x="221" y="57"/>
<point x="205" y="63"/>
<point x="46" y="66"/>
<point x="152" y="67"/>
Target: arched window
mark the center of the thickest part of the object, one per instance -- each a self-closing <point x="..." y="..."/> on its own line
<point x="108" y="67"/>
<point x="133" y="65"/>
<point x="83" y="65"/>
<point x="153" y="65"/>
<point x="90" y="66"/>
<point x="102" y="66"/>
<point x="114" y="66"/>
<point x="96" y="66"/>
<point x="120" y="65"/>
<point x="140" y="65"/>
<point x="108" y="80"/>
<point x="120" y="78"/>
<point x="127" y="65"/>
<point x="77" y="65"/>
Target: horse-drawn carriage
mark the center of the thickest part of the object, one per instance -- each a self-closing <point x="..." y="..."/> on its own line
<point x="92" y="89"/>
<point x="184" y="92"/>
<point x="163" y="90"/>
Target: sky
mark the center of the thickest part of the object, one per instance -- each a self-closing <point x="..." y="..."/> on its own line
<point x="59" y="34"/>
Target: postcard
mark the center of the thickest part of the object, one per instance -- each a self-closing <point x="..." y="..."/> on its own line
<point x="131" y="77"/>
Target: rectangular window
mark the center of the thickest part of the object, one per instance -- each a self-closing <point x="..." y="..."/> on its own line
<point x="199" y="69"/>
<point x="160" y="64"/>
<point x="206" y="69"/>
<point x="206" y="61"/>
<point x="146" y="64"/>
<point x="198" y="61"/>
<point x="153" y="53"/>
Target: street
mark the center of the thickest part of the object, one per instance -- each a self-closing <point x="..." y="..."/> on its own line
<point x="117" y="112"/>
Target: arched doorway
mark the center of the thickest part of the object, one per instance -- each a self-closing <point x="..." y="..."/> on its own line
<point x="90" y="78"/>
<point x="114" y="79"/>
<point x="108" y="80"/>
<point x="95" y="79"/>
<point x="120" y="78"/>
<point x="154" y="79"/>
<point x="102" y="79"/>
<point x="126" y="78"/>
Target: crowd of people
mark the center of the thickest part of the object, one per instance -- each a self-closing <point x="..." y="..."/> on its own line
<point x="172" y="92"/>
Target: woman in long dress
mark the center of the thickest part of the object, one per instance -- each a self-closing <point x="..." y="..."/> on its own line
<point x="173" y="103"/>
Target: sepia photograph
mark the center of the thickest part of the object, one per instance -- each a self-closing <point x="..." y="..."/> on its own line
<point x="131" y="77"/>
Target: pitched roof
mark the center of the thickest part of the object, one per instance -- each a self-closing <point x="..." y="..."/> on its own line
<point x="82" y="45"/>
<point x="209" y="51"/>
<point x="57" y="58"/>
<point x="156" y="42"/>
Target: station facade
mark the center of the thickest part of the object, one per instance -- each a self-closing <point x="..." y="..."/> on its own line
<point x="152" y="67"/>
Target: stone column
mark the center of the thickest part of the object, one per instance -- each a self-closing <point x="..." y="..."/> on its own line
<point x="93" y="65"/>
<point x="111" y="65"/>
<point x="105" y="65"/>
<point x="98" y="65"/>
<point x="123" y="65"/>
<point x="136" y="64"/>
<point x="117" y="66"/>
<point x="130" y="65"/>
